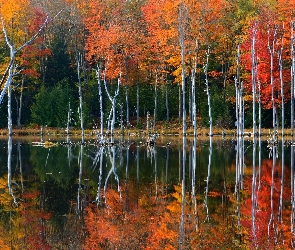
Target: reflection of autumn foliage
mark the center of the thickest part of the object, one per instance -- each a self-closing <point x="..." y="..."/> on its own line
<point x="34" y="221"/>
<point x="22" y="225"/>
<point x="279" y="231"/>
<point x="149" y="222"/>
<point x="122" y="224"/>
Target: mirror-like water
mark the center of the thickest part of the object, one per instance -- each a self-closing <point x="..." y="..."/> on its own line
<point x="218" y="194"/>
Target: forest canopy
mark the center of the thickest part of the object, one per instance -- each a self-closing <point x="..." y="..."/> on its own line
<point x="142" y="52"/>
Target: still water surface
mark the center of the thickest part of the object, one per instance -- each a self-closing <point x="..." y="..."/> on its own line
<point x="175" y="195"/>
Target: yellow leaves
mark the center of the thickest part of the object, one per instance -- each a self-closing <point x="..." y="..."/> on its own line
<point x="14" y="11"/>
<point x="6" y="199"/>
<point x="16" y="15"/>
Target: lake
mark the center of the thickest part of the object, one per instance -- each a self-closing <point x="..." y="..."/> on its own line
<point x="180" y="193"/>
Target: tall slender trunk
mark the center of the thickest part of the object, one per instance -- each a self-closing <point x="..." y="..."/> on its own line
<point x="179" y="103"/>
<point x="193" y="79"/>
<point x="253" y="72"/>
<point x="79" y="60"/>
<point x="100" y="102"/>
<point x="280" y="52"/>
<point x="68" y="124"/>
<point x="282" y="90"/>
<point x="271" y="48"/>
<point x="137" y="105"/>
<point x="254" y="76"/>
<point x="208" y="91"/>
<point x="20" y="104"/>
<point x="181" y="20"/>
<point x="113" y="101"/>
<point x="167" y="103"/>
<point x="80" y="163"/>
<point x="127" y="107"/>
<point x="9" y="111"/>
<point x="156" y="102"/>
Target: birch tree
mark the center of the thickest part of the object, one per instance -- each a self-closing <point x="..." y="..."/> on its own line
<point x="12" y="68"/>
<point x="208" y="91"/>
<point x="181" y="27"/>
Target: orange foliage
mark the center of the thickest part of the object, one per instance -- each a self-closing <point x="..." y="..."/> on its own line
<point x="113" y="37"/>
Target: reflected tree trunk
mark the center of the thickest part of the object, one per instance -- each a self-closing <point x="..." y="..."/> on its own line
<point x="100" y="154"/>
<point x="254" y="193"/>
<point x="194" y="198"/>
<point x="271" y="223"/>
<point x="167" y="166"/>
<point x="9" y="156"/>
<point x="19" y="158"/>
<point x="280" y="52"/>
<point x="183" y="199"/>
<point x="112" y="157"/>
<point x="80" y="164"/>
<point x="207" y="180"/>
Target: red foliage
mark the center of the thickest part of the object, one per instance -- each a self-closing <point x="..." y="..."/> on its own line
<point x="266" y="206"/>
<point x="270" y="36"/>
<point x="32" y="53"/>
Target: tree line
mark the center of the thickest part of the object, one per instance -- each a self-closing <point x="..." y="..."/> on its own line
<point x="111" y="62"/>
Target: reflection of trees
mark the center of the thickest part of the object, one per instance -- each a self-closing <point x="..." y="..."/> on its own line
<point x="149" y="223"/>
<point x="267" y="206"/>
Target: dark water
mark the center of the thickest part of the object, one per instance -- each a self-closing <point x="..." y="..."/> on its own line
<point x="176" y="195"/>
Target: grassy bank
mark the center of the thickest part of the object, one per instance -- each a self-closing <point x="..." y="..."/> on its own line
<point x="175" y="130"/>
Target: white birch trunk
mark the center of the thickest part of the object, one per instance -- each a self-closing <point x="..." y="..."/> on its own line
<point x="100" y="103"/>
<point x="193" y="79"/>
<point x="179" y="103"/>
<point x="9" y="111"/>
<point x="113" y="101"/>
<point x="137" y="105"/>
<point x="20" y="104"/>
<point x="208" y="91"/>
<point x="127" y="107"/>
<point x="68" y="124"/>
<point x="253" y="73"/>
<point x="167" y="104"/>
<point x="14" y="51"/>
<point x="156" y="102"/>
<point x="280" y="52"/>
<point x="79" y="60"/>
<point x="181" y="19"/>
<point x="271" y="48"/>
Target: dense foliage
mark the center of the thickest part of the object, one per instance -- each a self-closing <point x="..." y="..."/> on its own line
<point x="138" y="42"/>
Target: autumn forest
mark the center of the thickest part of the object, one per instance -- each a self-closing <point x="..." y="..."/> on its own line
<point x="146" y="67"/>
<point x="162" y="59"/>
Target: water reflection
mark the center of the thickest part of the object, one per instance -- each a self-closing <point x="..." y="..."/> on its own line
<point x="198" y="194"/>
